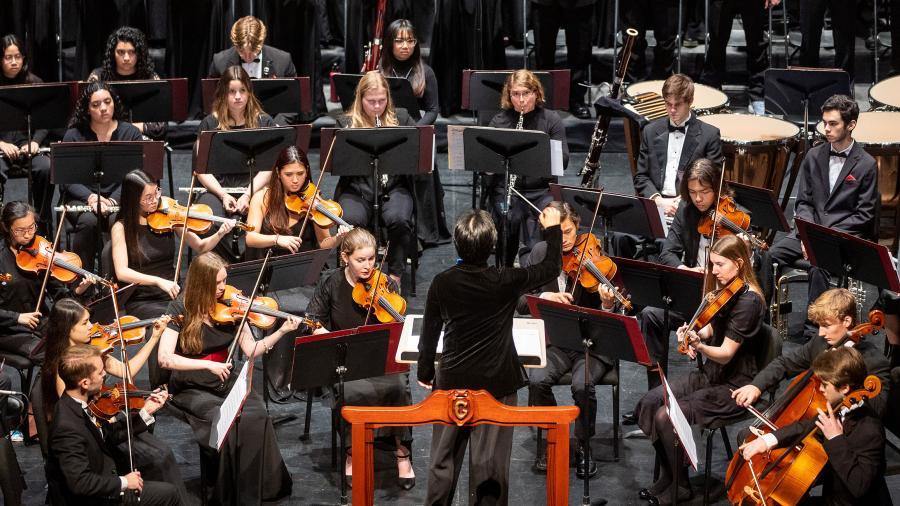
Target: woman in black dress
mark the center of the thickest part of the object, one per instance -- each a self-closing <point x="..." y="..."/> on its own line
<point x="146" y="257"/>
<point x="729" y="343"/>
<point x="196" y="351"/>
<point x="332" y="305"/>
<point x="405" y="60"/>
<point x="234" y="107"/>
<point x="97" y="117"/>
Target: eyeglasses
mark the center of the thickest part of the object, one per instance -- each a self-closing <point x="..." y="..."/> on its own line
<point x="152" y="198"/>
<point x="25" y="230"/>
<point x="521" y="94"/>
<point x="399" y="42"/>
<point x="9" y="58"/>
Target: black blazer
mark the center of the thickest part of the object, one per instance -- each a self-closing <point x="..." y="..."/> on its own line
<point x="702" y="140"/>
<point x="80" y="463"/>
<point x="852" y="206"/>
<point x="276" y="63"/>
<point x="682" y="243"/>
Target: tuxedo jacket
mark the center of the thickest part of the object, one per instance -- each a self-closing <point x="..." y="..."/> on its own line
<point x="275" y="62"/>
<point x="701" y="140"/>
<point x="852" y="206"/>
<point x="80" y="462"/>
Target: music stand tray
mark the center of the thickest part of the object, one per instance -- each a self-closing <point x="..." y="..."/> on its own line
<point x="425" y="142"/>
<point x="150" y="100"/>
<point x="282" y="272"/>
<point x="400" y="88"/>
<point x="47" y="105"/>
<point x="628" y="214"/>
<point x="241" y="151"/>
<point x="793" y="91"/>
<point x="481" y="89"/>
<point x="277" y="94"/>
<point x="657" y="285"/>
<point x="101" y="163"/>
<point x="765" y="211"/>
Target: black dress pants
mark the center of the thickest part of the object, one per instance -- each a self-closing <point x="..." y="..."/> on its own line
<point x="786" y="252"/>
<point x="661" y="16"/>
<point x="812" y="21"/>
<point x="721" y="15"/>
<point x="578" y="23"/>
<point x="652" y="321"/>
<point x="397" y="218"/>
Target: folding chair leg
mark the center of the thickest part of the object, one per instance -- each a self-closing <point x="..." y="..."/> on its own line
<point x="309" y="397"/>
<point x="706" y="471"/>
<point x="615" y="395"/>
<point x="727" y="443"/>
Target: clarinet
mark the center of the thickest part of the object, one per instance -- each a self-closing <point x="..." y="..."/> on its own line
<point x="383" y="179"/>
<point x="601" y="128"/>
<point x="514" y="177"/>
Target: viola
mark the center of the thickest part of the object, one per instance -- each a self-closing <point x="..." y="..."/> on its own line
<point x="263" y="310"/>
<point x="376" y="294"/>
<point x="729" y="221"/>
<point x="198" y="218"/>
<point x="324" y="213"/>
<point x="712" y="303"/>
<point x="596" y="269"/>
<point x="111" y="400"/>
<point x="66" y="265"/>
<point x="107" y="336"/>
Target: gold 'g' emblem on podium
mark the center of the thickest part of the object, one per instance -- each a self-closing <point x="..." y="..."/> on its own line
<point x="459" y="407"/>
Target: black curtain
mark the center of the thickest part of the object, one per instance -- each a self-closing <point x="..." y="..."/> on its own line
<point x="190" y="46"/>
<point x="361" y="22"/>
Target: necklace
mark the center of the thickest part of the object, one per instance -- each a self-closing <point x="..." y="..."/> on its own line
<point x="394" y="71"/>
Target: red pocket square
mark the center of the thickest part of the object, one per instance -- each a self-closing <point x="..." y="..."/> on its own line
<point x="850" y="178"/>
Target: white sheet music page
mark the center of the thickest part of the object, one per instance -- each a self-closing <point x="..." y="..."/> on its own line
<point x="230" y="408"/>
<point x="682" y="427"/>
<point x="455" y="150"/>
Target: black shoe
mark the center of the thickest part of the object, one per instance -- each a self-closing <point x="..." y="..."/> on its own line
<point x="581" y="111"/>
<point x="684" y="495"/>
<point x="540" y="464"/>
<point x="644" y="494"/>
<point x="406" y="483"/>
<point x="584" y="464"/>
<point x="629" y="419"/>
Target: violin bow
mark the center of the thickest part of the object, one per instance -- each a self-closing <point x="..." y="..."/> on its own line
<point x="584" y="249"/>
<point x="318" y="182"/>
<point x="237" y="332"/>
<point x="184" y="229"/>
<point x="127" y="379"/>
<point x="62" y="219"/>
<point x="377" y="280"/>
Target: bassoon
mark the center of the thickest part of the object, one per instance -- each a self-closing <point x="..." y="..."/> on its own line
<point x="601" y="129"/>
<point x="373" y="48"/>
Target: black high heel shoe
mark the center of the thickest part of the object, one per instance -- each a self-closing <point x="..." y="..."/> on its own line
<point x="406" y="483"/>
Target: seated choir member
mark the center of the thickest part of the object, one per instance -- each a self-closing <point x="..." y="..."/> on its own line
<point x="146" y="257"/>
<point x="729" y="343"/>
<point x="475" y="304"/>
<point x="234" y="107"/>
<point x="97" y="117"/>
<point x="332" y="305"/>
<point x="853" y="437"/>
<point x="522" y="100"/>
<point x="81" y="468"/>
<point x="373" y="106"/>
<point x="196" y="350"/>
<point x="70" y="325"/>
<point x="14" y="146"/>
<point x="560" y="361"/>
<point x="127" y="58"/>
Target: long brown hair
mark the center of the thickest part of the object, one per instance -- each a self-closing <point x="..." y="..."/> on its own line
<point x="526" y="78"/>
<point x="274" y="211"/>
<point x="735" y="249"/>
<point x="64" y="315"/>
<point x="220" y="102"/>
<point x="373" y="80"/>
<point x="133" y="185"/>
<point x="199" y="299"/>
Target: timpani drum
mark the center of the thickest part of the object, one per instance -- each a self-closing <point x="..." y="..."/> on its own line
<point x="756" y="148"/>
<point x="885" y="95"/>
<point x="707" y="100"/>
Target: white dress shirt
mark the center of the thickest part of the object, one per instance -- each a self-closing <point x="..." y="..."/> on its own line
<point x="254" y="68"/>
<point x="835" y="165"/>
<point x="673" y="157"/>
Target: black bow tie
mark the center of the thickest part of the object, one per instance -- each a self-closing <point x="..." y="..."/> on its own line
<point x="256" y="60"/>
<point x="839" y="155"/>
<point x="673" y="128"/>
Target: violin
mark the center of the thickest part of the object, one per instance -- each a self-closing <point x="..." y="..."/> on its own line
<point x="597" y="268"/>
<point x="802" y="400"/>
<point x="388" y="305"/>
<point x="729" y="221"/>
<point x="105" y="337"/>
<point x="324" y="213"/>
<point x="5" y="277"/>
<point x="264" y="311"/>
<point x="66" y="265"/>
<point x="198" y="218"/>
<point x="111" y="400"/>
<point x="712" y="303"/>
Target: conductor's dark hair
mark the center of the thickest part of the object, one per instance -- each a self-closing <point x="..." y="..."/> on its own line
<point x="143" y="68"/>
<point x="81" y="118"/>
<point x="843" y="104"/>
<point x="474" y="236"/>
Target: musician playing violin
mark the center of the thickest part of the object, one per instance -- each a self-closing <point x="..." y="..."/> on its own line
<point x="332" y="304"/>
<point x="853" y="438"/>
<point x="728" y="343"/>
<point x="196" y="350"/>
<point x="19" y="322"/>
<point x="559" y="361"/>
<point x="70" y="325"/>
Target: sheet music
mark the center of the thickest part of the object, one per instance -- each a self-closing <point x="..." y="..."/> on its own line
<point x="681" y="425"/>
<point x="231" y="407"/>
<point x="455" y="147"/>
<point x="556" y="158"/>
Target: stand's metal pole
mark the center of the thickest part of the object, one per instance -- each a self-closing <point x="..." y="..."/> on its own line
<point x="678" y="37"/>
<point x="706" y="29"/>
<point x="787" y="38"/>
<point x="874" y="41"/>
<point x="615" y="39"/>
<point x="524" y="34"/>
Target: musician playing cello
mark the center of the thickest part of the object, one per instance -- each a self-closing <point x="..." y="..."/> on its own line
<point x="853" y="437"/>
<point x="729" y="343"/>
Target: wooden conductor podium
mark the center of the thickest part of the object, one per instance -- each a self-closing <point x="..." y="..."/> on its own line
<point x="461" y="408"/>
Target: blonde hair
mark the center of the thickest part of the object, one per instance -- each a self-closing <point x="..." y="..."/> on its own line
<point x="679" y="86"/>
<point x="524" y="78"/>
<point x="220" y="102"/>
<point x="248" y="32"/>
<point x="199" y="300"/>
<point x="835" y="303"/>
<point x="356" y="239"/>
<point x="371" y="81"/>
<point x="735" y="249"/>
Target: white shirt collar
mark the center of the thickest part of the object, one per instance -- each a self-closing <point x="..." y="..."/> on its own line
<point x="847" y="150"/>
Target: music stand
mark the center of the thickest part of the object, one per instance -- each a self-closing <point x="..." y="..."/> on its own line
<point x="586" y="330"/>
<point x="35" y="106"/>
<point x="345" y="355"/>
<point x="241" y="151"/>
<point x="762" y="203"/>
<point x="509" y="152"/>
<point x="102" y="309"/>
<point x="277" y="95"/>
<point x="400" y="88"/>
<point x="847" y="256"/>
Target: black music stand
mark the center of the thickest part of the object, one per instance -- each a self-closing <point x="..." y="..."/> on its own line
<point x="847" y="256"/>
<point x="509" y="152"/>
<point x="277" y="95"/>
<point x="362" y="151"/>
<point x="345" y="355"/>
<point x="401" y="92"/>
<point x="586" y="330"/>
<point x="34" y="106"/>
<point x="102" y="309"/>
<point x="762" y="203"/>
<point x="102" y="163"/>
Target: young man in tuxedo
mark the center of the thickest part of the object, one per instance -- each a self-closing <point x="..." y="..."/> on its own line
<point x="838" y="188"/>
<point x="81" y="469"/>
<point x="248" y="36"/>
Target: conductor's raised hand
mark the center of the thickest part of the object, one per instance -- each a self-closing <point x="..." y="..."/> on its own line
<point x="549" y="217"/>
